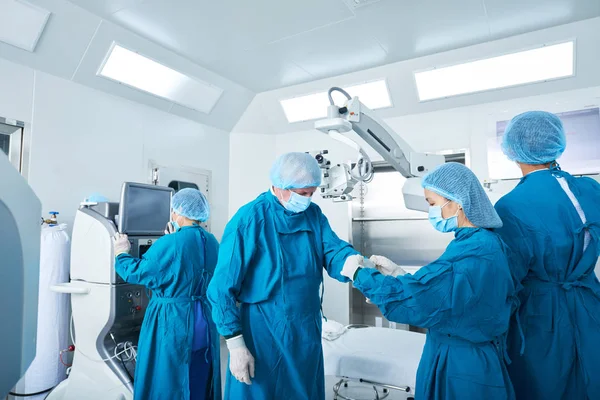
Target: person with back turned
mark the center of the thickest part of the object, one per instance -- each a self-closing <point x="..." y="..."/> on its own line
<point x="552" y="224"/>
<point x="178" y="350"/>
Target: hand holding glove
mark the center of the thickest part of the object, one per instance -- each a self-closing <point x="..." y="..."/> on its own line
<point x="351" y="265"/>
<point x="387" y="267"/>
<point x="121" y="244"/>
<point x="241" y="362"/>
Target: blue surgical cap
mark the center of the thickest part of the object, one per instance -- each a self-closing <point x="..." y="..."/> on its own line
<point x="458" y="183"/>
<point x="295" y="171"/>
<point x="534" y="137"/>
<point x="192" y="204"/>
<point x="96" y="198"/>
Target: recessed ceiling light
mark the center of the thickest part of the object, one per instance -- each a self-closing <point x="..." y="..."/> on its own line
<point x="139" y="72"/>
<point x="537" y="65"/>
<point x="22" y="23"/>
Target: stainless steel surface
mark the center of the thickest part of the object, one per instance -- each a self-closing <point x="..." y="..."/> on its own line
<point x="25" y="150"/>
<point x="12" y="133"/>
<point x="382" y="225"/>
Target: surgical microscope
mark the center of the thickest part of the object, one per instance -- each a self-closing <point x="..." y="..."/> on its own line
<point x="107" y="311"/>
<point x="340" y="179"/>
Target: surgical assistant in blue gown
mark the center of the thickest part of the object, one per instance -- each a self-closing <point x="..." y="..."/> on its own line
<point x="465" y="298"/>
<point x="271" y="261"/>
<point x="560" y="301"/>
<point x="178" y="348"/>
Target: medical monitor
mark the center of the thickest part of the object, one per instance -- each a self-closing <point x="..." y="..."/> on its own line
<point x="144" y="209"/>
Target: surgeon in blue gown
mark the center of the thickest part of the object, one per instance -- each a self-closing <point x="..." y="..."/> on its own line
<point x="271" y="262"/>
<point x="552" y="224"/>
<point x="178" y="349"/>
<point x="465" y="298"/>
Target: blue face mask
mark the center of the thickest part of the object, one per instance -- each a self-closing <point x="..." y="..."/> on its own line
<point x="441" y="224"/>
<point x="176" y="226"/>
<point x="297" y="203"/>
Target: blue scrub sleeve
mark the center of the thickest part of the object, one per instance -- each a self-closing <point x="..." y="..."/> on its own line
<point x="151" y="269"/>
<point x="516" y="235"/>
<point x="335" y="251"/>
<point x="235" y="253"/>
<point x="425" y="299"/>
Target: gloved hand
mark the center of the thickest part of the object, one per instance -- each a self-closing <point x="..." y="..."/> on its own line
<point x="121" y="244"/>
<point x="169" y="229"/>
<point x="241" y="362"/>
<point x="351" y="264"/>
<point x="387" y="267"/>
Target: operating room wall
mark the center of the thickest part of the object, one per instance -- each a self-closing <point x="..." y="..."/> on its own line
<point x="85" y="141"/>
<point x="251" y="156"/>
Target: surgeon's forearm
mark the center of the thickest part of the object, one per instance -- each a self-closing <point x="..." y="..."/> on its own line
<point x="225" y="313"/>
<point x="335" y="263"/>
<point x="229" y="326"/>
<point x="378" y="288"/>
<point x="128" y="268"/>
<point x="389" y="295"/>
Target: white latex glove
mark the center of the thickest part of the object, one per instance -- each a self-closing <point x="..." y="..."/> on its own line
<point x="169" y="229"/>
<point x="387" y="266"/>
<point x="241" y="362"/>
<point x="121" y="244"/>
<point x="351" y="264"/>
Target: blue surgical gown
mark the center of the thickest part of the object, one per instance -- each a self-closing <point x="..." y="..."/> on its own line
<point x="560" y="299"/>
<point x="177" y="333"/>
<point x="465" y="298"/>
<point x="271" y="262"/>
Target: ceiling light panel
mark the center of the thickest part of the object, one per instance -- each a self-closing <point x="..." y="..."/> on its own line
<point x="536" y="65"/>
<point x="22" y="23"/>
<point x="139" y="72"/>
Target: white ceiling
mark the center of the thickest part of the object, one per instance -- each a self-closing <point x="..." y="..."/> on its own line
<point x="269" y="44"/>
<point x="75" y="42"/>
<point x="265" y="113"/>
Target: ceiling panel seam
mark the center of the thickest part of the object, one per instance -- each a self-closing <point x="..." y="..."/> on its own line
<point x="310" y="30"/>
<point x="299" y="66"/>
<point x="86" y="49"/>
<point x="487" y="18"/>
<point x="376" y="39"/>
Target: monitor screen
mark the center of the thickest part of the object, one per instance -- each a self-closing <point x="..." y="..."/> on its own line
<point x="144" y="209"/>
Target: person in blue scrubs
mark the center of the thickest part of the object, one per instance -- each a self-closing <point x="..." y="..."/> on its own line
<point x="271" y="263"/>
<point x="552" y="224"/>
<point x="178" y="349"/>
<point x="465" y="298"/>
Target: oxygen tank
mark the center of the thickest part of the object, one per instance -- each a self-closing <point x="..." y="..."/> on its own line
<point x="47" y="370"/>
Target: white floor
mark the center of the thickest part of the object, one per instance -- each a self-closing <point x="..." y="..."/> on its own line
<point x="356" y="391"/>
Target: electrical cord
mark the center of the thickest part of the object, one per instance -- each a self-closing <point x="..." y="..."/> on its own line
<point x="116" y="355"/>
<point x="69" y="349"/>
<point x="130" y="352"/>
<point x="128" y="349"/>
<point x="30" y="394"/>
